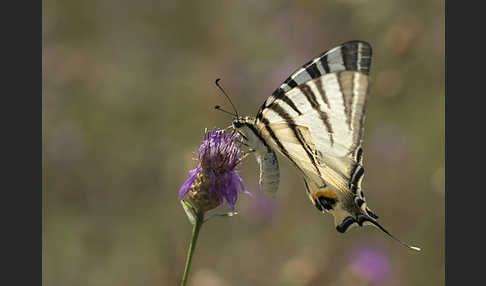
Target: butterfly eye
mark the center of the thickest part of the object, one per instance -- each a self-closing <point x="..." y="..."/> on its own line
<point x="237" y="124"/>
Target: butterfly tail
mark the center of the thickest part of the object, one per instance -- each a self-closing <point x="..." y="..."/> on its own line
<point x="363" y="219"/>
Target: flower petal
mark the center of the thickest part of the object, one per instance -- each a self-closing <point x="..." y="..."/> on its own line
<point x="187" y="184"/>
<point x="240" y="181"/>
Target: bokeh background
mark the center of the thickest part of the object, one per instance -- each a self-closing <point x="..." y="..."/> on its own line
<point x="128" y="88"/>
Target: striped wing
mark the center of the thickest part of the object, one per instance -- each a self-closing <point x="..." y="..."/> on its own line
<point x="319" y="125"/>
<point x="350" y="56"/>
<point x="315" y="118"/>
<point x="294" y="144"/>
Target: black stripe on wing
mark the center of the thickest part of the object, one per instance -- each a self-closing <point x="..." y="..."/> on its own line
<point x="292" y="125"/>
<point x="350" y="56"/>
<point x="282" y="148"/>
<point x="311" y="98"/>
<point x="356" y="175"/>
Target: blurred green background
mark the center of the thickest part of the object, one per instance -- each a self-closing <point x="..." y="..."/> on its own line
<point x="128" y="90"/>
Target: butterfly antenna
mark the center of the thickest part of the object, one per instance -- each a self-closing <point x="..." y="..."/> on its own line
<point x="229" y="99"/>
<point x="217" y="107"/>
<point x="393" y="237"/>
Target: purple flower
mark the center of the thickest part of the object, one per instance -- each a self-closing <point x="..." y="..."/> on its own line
<point x="370" y="264"/>
<point x="215" y="179"/>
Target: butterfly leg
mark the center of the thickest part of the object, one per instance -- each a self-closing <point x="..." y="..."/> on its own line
<point x="243" y="143"/>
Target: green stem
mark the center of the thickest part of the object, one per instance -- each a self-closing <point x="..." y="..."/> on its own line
<point x="195" y="235"/>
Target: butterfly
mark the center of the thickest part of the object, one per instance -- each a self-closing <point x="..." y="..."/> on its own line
<point x="315" y="119"/>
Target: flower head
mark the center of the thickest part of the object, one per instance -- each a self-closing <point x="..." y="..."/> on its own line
<point x="215" y="179"/>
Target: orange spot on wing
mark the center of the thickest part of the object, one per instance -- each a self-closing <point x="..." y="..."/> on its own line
<point x="325" y="193"/>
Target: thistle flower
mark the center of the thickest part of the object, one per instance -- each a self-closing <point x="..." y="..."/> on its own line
<point x="215" y="178"/>
<point x="213" y="181"/>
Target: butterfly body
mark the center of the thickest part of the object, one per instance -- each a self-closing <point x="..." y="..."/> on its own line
<point x="315" y="119"/>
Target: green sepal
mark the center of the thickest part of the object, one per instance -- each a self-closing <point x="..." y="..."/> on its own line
<point x="190" y="211"/>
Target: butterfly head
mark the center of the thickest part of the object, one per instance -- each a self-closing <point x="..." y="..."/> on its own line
<point x="242" y="122"/>
<point x="239" y="123"/>
<point x="246" y="128"/>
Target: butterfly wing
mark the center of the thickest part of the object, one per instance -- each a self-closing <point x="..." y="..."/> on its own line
<point x="327" y="103"/>
<point x="350" y="56"/>
<point x="295" y="144"/>
<point x="315" y="119"/>
<point x="321" y="119"/>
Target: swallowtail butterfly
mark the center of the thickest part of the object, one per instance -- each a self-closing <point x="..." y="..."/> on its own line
<point x="315" y="119"/>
